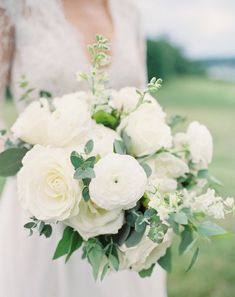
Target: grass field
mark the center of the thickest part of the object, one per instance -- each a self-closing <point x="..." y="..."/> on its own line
<point x="212" y="103"/>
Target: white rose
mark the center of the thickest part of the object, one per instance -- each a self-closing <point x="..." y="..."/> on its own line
<point x="70" y="121"/>
<point x="200" y="144"/>
<point x="126" y="99"/>
<point x="147" y="128"/>
<point x="31" y="125"/>
<point x="46" y="187"/>
<point x="93" y="221"/>
<point x="144" y="254"/>
<point x="119" y="182"/>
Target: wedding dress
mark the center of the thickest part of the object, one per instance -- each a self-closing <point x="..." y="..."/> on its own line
<point x="49" y="51"/>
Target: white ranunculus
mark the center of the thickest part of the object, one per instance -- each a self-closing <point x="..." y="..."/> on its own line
<point x="70" y="121"/>
<point x="200" y="143"/>
<point x="126" y="99"/>
<point x="31" y="125"/>
<point x="144" y="254"/>
<point x="166" y="165"/>
<point x="46" y="187"/>
<point x="147" y="128"/>
<point x="119" y="183"/>
<point x="93" y="221"/>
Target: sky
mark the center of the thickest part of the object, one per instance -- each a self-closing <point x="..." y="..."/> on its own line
<point x="204" y="28"/>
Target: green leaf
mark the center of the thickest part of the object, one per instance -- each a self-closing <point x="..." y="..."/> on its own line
<point x="210" y="229"/>
<point x="146" y="168"/>
<point x="146" y="272"/>
<point x="41" y="226"/>
<point x="46" y="231"/>
<point x="194" y="259"/>
<point x="122" y="234"/>
<point x="173" y="224"/>
<point x="86" y="194"/>
<point x="108" y="120"/>
<point x="114" y="261"/>
<point x="165" y="261"/>
<point x="140" y="224"/>
<point x="105" y="270"/>
<point x="149" y="213"/>
<point x="89" y="147"/>
<point x="127" y="140"/>
<point x="95" y="257"/>
<point x="83" y="173"/>
<point x="90" y="162"/>
<point x="11" y="161"/>
<point x="186" y="239"/>
<point x="119" y="147"/>
<point x="76" y="159"/>
<point x="30" y="225"/>
<point x="75" y="243"/>
<point x="203" y="173"/>
<point x="45" y="94"/>
<point x="134" y="238"/>
<point x="181" y="218"/>
<point x="64" y="244"/>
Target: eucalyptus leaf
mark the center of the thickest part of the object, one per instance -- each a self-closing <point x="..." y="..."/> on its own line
<point x="122" y="234"/>
<point x="119" y="147"/>
<point x="11" y="161"/>
<point x="114" y="261"/>
<point x="76" y="159"/>
<point x="147" y="169"/>
<point x="89" y="147"/>
<point x="181" y="218"/>
<point x="134" y="238"/>
<point x="86" y="194"/>
<point x="84" y="173"/>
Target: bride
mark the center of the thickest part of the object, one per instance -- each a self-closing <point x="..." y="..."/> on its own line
<point x="46" y="41"/>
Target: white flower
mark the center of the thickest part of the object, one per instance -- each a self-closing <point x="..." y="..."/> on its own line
<point x="46" y="187"/>
<point x="208" y="203"/>
<point x="144" y="254"/>
<point x="166" y="165"/>
<point x="164" y="185"/>
<point x="31" y="125"/>
<point x="200" y="144"/>
<point x="93" y="221"/>
<point x="119" y="183"/>
<point x="126" y="99"/>
<point x="147" y="128"/>
<point x="229" y="204"/>
<point x="70" y="121"/>
<point x="103" y="139"/>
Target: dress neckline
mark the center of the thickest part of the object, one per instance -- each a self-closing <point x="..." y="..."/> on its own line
<point x="80" y="37"/>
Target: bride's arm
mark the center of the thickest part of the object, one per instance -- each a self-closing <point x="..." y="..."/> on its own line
<point x="6" y="48"/>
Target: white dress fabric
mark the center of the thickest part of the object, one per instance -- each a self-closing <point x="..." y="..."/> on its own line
<point x="49" y="51"/>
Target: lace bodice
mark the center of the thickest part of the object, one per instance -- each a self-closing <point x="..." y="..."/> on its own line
<point x="50" y="51"/>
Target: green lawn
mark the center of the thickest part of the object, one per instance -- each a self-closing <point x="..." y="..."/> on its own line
<point x="211" y="103"/>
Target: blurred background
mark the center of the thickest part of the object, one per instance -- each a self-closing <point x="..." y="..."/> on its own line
<point x="191" y="45"/>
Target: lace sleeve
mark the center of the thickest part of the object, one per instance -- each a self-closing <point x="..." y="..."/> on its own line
<point x="6" y="42"/>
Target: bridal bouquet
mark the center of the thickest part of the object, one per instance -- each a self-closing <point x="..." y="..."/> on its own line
<point x="106" y="165"/>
